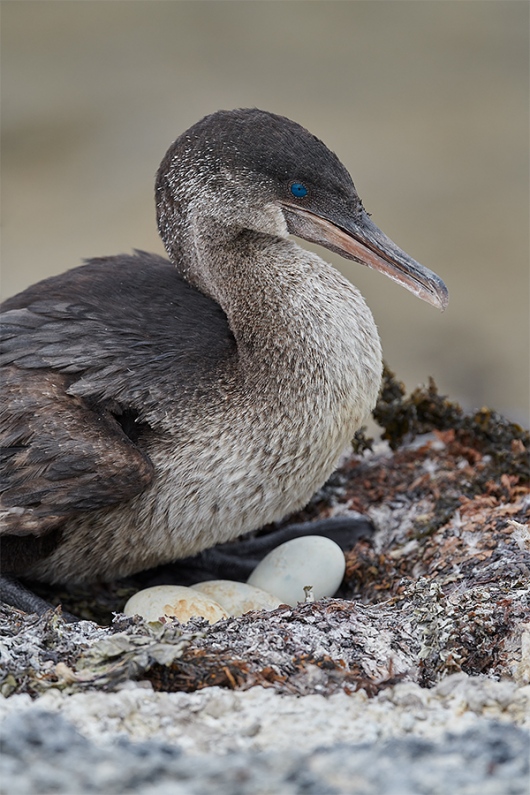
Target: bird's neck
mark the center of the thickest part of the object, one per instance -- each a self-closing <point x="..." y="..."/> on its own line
<point x="293" y="316"/>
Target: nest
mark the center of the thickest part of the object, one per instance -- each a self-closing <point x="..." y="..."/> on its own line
<point x="443" y="585"/>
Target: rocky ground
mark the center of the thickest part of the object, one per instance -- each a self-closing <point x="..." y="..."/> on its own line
<point x="414" y="679"/>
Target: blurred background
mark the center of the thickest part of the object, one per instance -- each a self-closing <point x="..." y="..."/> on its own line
<point x="426" y="104"/>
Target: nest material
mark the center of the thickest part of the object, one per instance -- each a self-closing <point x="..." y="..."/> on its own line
<point x="442" y="587"/>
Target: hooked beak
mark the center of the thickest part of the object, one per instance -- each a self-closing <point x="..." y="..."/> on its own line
<point x="361" y="240"/>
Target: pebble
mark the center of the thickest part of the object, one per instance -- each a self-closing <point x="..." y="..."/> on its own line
<point x="309" y="561"/>
<point x="174" y="601"/>
<point x="237" y="597"/>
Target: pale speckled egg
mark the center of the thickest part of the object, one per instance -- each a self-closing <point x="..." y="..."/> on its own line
<point x="174" y="601"/>
<point x="237" y="597"/>
<point x="309" y="560"/>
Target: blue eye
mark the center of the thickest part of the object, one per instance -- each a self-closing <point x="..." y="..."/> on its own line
<point x="299" y="190"/>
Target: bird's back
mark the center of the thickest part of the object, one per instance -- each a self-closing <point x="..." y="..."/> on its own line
<point x="87" y="358"/>
<point x="117" y="325"/>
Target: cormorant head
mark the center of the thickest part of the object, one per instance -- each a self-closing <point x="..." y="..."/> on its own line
<point x="253" y="169"/>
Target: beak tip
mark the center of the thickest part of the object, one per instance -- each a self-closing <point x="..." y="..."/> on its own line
<point x="442" y="294"/>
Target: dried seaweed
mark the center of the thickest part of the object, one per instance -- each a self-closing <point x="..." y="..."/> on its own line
<point x="404" y="418"/>
<point x="46" y="652"/>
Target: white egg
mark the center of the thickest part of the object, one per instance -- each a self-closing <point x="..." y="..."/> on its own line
<point x="306" y="561"/>
<point x="174" y="601"/>
<point x="237" y="597"/>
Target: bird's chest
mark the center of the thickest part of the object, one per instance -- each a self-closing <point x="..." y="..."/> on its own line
<point x="263" y="438"/>
<point x="256" y="454"/>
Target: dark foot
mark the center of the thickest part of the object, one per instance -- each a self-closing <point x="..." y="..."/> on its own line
<point x="237" y="559"/>
<point x="13" y="593"/>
